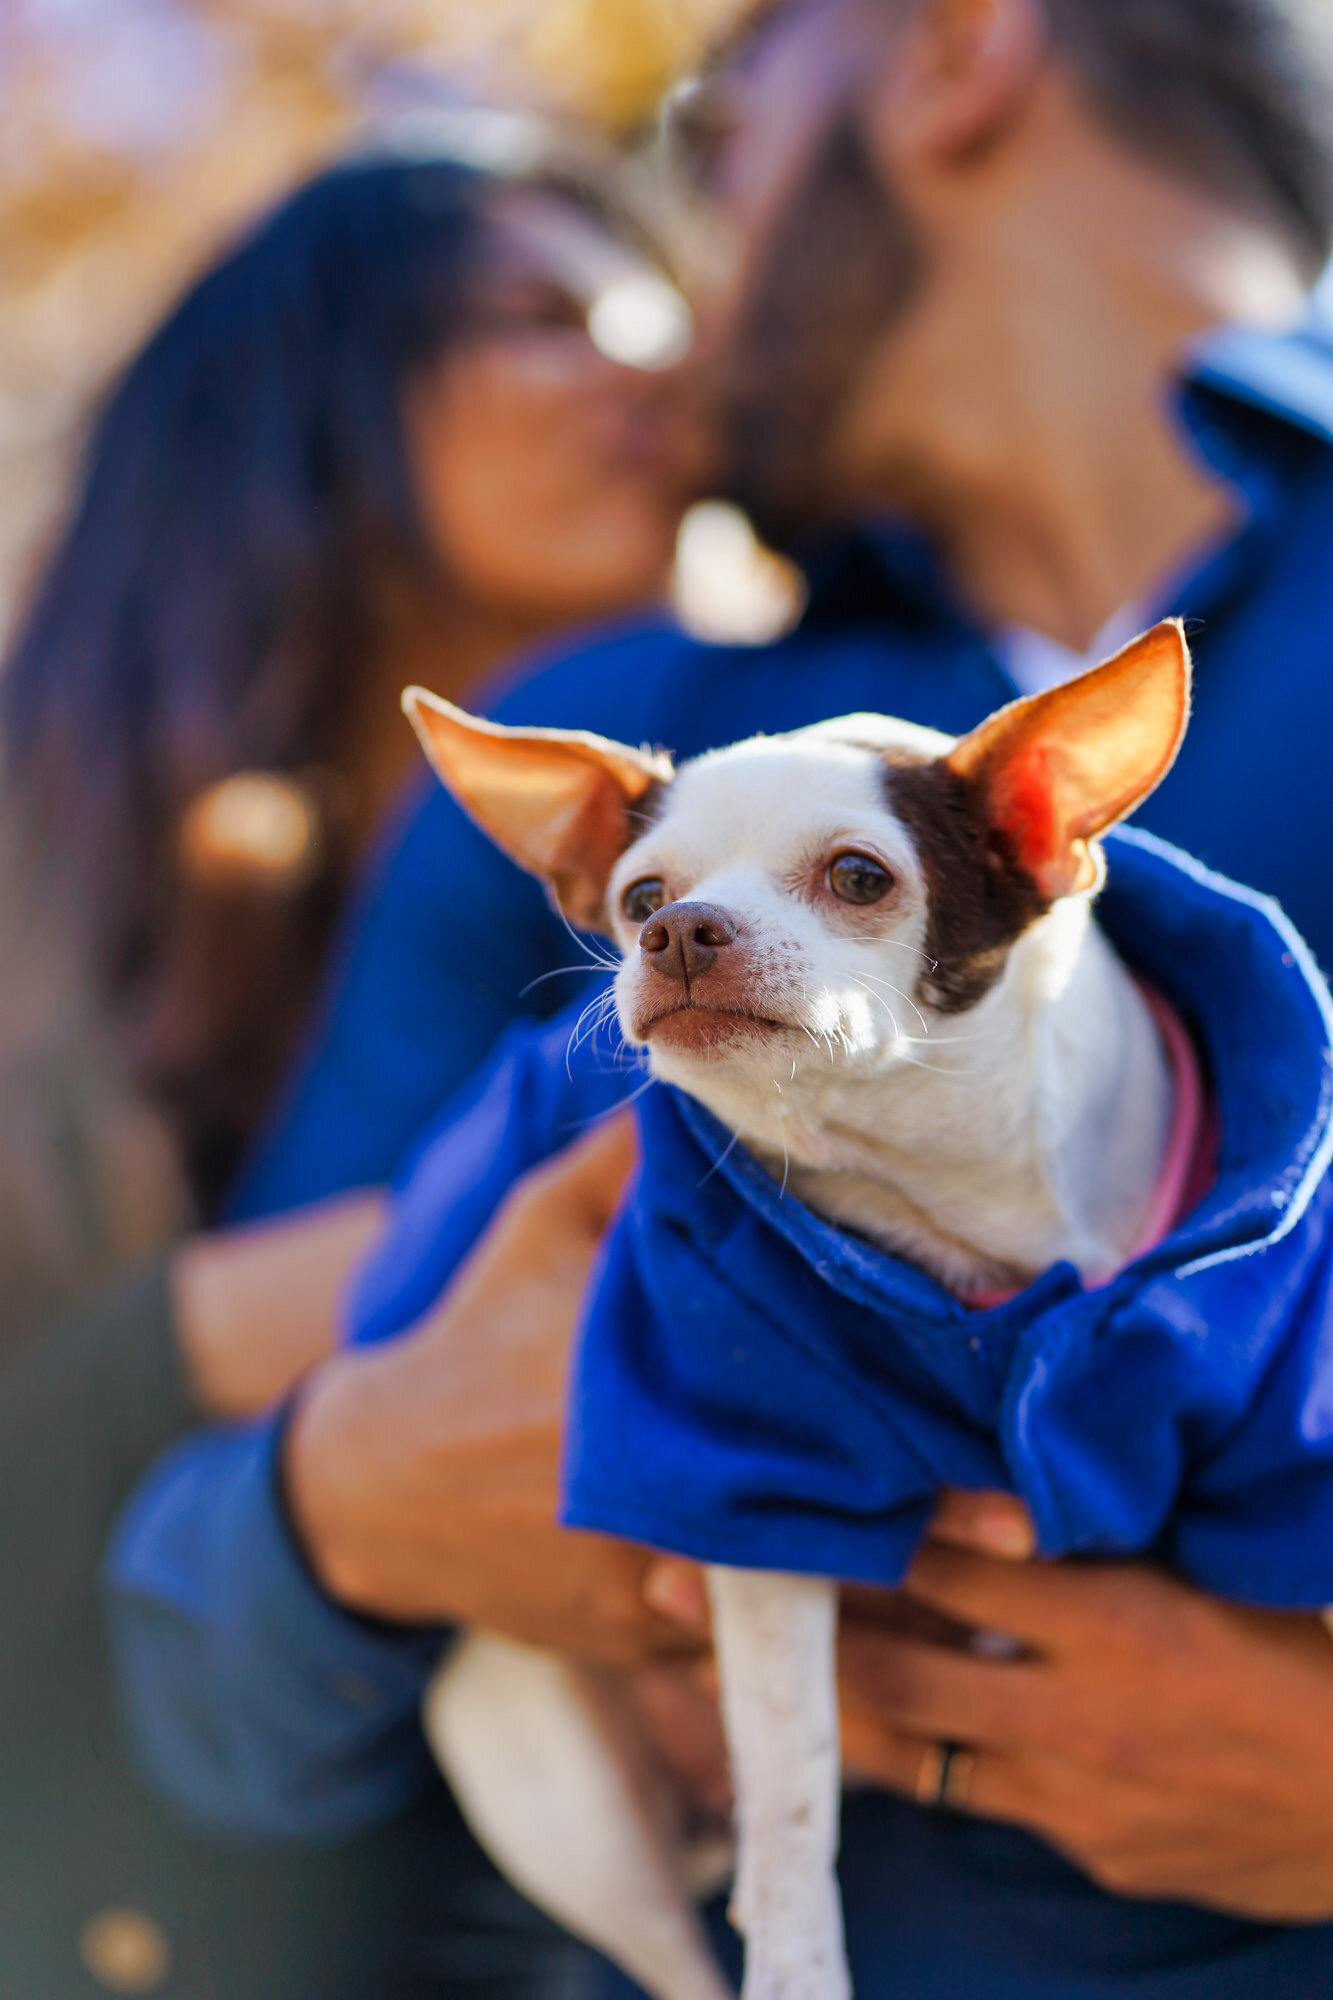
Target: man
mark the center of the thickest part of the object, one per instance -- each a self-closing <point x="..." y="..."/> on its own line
<point x="981" y="241"/>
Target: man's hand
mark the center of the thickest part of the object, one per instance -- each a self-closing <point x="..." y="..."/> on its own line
<point x="1170" y="1744"/>
<point x="423" y="1476"/>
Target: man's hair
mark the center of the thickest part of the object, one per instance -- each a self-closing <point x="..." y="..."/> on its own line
<point x="1236" y="95"/>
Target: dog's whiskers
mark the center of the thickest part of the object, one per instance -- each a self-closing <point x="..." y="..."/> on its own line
<point x="880" y="1001"/>
<point x="875" y="980"/>
<point x="589" y="1021"/>
<point x="557" y="970"/>
<point x="613" y="1110"/>
<point x="836" y="1029"/>
<point x="595" y="955"/>
<point x="899" y="945"/>
<point x="721" y="1159"/>
<point x="936" y="1041"/>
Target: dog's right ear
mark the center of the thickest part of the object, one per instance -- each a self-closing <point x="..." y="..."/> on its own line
<point x="560" y="802"/>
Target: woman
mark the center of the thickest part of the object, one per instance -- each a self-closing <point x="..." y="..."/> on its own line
<point x="375" y="444"/>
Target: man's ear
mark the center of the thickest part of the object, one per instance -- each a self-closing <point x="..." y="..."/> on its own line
<point x="558" y="801"/>
<point x="959" y="74"/>
<point x="1057" y="769"/>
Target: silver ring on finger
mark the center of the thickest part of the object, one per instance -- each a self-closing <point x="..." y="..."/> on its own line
<point x="944" y="1777"/>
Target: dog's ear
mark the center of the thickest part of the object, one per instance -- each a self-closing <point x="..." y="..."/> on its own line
<point x="1055" y="770"/>
<point x="558" y="801"/>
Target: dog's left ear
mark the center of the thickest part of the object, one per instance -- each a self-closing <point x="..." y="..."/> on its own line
<point x="558" y="801"/>
<point x="1055" y="770"/>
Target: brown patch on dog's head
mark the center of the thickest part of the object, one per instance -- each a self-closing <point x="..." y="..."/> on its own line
<point x="978" y="904"/>
<point x="1007" y="822"/>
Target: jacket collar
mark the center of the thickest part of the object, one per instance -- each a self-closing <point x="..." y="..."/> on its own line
<point x="1286" y="375"/>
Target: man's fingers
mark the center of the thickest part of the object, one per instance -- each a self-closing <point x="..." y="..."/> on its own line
<point x="1047" y="1604"/>
<point x="997" y="1786"/>
<point x="927" y="1691"/>
<point x="883" y="1756"/>
<point x="676" y="1589"/>
<point x="1042" y="1794"/>
<point x="994" y="1524"/>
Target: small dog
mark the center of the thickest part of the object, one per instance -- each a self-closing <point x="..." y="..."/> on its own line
<point x="802" y="921"/>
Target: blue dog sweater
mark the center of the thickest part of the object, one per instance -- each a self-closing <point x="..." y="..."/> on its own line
<point x="756" y="1387"/>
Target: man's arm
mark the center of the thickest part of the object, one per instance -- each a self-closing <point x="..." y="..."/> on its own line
<point x="253" y="1704"/>
<point x="416" y="1481"/>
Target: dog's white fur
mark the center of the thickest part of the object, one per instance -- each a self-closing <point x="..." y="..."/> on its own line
<point x="983" y="1144"/>
<point x="869" y="1102"/>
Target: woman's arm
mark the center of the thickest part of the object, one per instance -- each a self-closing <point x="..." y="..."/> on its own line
<point x="254" y="1307"/>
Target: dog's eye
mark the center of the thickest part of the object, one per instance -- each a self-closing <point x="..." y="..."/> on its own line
<point x="642" y="898"/>
<point x="859" y="878"/>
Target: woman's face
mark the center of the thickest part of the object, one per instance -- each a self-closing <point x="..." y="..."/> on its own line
<point x="551" y="479"/>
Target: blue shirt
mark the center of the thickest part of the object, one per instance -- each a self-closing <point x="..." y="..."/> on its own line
<point x="259" y="1704"/>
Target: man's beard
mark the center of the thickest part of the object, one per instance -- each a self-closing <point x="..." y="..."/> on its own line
<point x="844" y="264"/>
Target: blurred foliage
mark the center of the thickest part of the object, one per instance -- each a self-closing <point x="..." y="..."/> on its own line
<point x="136" y="134"/>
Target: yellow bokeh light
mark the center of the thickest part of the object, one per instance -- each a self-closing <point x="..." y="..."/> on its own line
<point x="253" y="827"/>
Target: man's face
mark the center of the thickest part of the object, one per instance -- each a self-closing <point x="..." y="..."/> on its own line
<point x="824" y="258"/>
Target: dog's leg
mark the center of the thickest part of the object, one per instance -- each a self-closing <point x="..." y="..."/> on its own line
<point x="551" y="1776"/>
<point x="776" y="1640"/>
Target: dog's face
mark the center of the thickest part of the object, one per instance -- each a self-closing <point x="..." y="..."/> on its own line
<point x="803" y="904"/>
<point x="774" y="912"/>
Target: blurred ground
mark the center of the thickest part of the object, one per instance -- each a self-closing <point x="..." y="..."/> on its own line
<point x="135" y="134"/>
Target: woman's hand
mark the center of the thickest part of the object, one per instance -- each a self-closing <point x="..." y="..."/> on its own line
<point x="255" y="1307"/>
<point x="423" y="1476"/>
<point x="1170" y="1744"/>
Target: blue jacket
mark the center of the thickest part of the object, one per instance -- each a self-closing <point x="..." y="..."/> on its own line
<point x="755" y="1387"/>
<point x="758" y="1388"/>
<point x="259" y="1704"/>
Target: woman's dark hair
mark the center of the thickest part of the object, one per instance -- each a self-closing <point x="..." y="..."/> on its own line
<point x="211" y="609"/>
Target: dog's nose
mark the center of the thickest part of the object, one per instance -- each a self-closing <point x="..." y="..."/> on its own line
<point x="685" y="938"/>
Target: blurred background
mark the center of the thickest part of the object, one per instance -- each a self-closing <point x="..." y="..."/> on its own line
<point x="213" y="892"/>
<point x="137" y="135"/>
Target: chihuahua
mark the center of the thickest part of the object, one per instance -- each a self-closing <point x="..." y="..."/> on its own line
<point x="870" y="951"/>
